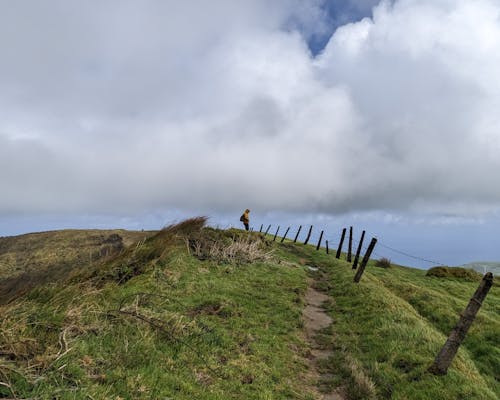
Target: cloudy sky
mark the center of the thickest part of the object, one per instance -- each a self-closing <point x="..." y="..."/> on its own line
<point x="383" y="115"/>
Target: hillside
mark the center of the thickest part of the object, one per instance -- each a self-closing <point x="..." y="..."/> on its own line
<point x="197" y="313"/>
<point x="35" y="258"/>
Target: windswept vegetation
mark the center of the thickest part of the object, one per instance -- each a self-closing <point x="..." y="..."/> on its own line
<point x="157" y="322"/>
<point x="192" y="312"/>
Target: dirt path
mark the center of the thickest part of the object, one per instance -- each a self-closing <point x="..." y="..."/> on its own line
<point x="316" y="319"/>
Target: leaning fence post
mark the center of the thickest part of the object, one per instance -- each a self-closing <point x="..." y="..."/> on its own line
<point x="362" y="267"/>
<point x="284" y="236"/>
<point x="276" y="234"/>
<point x="356" y="258"/>
<point x="339" y="250"/>
<point x="267" y="230"/>
<point x="319" y="241"/>
<point x="297" y="235"/>
<point x="457" y="335"/>
<point x="308" y="235"/>
<point x="349" y="248"/>
<point x="261" y="226"/>
<point x="327" y="252"/>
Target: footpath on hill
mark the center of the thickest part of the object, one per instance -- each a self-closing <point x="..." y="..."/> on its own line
<point x="315" y="320"/>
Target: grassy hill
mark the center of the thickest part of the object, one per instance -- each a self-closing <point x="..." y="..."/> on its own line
<point x="32" y="259"/>
<point x="196" y="313"/>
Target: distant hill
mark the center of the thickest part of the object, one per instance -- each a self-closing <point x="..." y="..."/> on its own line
<point x="484" y="266"/>
<point x="32" y="259"/>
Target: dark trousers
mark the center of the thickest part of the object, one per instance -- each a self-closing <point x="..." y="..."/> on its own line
<point x="246" y="225"/>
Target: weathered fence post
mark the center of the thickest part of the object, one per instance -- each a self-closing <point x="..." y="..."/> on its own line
<point x="358" y="252"/>
<point x="308" y="235"/>
<point x="339" y="250"/>
<point x="284" y="236"/>
<point x="457" y="335"/>
<point x="327" y="252"/>
<point x="297" y="235"/>
<point x="276" y="234"/>
<point x="319" y="241"/>
<point x="267" y="230"/>
<point x="349" y="248"/>
<point x="261" y="226"/>
<point x="362" y="267"/>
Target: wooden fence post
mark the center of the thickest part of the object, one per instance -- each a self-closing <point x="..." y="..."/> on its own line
<point x="327" y="252"/>
<point x="358" y="252"/>
<point x="457" y="335"/>
<point x="362" y="267"/>
<point x="267" y="230"/>
<point x="261" y="226"/>
<point x="276" y="234"/>
<point x="308" y="235"/>
<point x="284" y="236"/>
<point x="297" y="235"/>
<point x="349" y="248"/>
<point x="339" y="250"/>
<point x="319" y="241"/>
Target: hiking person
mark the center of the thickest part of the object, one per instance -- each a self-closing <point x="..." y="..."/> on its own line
<point x="245" y="218"/>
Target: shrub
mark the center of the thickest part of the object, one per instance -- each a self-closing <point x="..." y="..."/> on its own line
<point x="454" y="272"/>
<point x="239" y="249"/>
<point x="383" y="263"/>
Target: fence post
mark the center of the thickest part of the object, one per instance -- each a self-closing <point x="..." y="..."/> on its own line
<point x="276" y="234"/>
<point x="297" y="235"/>
<point x="356" y="258"/>
<point x="362" y="267"/>
<point x="349" y="248"/>
<point x="339" y="250"/>
<point x="308" y="235"/>
<point x="284" y="236"/>
<point x="327" y="252"/>
<point x="267" y="230"/>
<point x="457" y="335"/>
<point x="319" y="241"/>
<point x="261" y="226"/>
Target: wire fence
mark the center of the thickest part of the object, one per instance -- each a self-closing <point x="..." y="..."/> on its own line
<point x="334" y="239"/>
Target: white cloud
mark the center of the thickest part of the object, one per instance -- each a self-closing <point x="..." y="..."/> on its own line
<point x="126" y="106"/>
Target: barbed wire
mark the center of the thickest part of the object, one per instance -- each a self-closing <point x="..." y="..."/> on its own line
<point x="337" y="238"/>
<point x="410" y="255"/>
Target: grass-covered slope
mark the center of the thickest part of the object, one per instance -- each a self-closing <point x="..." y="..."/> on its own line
<point x="157" y="322"/>
<point x="393" y="323"/>
<point x="198" y="313"/>
<point x="36" y="251"/>
<point x="29" y="260"/>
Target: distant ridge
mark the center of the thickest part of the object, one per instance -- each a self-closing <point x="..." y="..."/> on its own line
<point x="484" y="266"/>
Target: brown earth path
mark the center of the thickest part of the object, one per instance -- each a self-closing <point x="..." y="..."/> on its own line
<point x="315" y="319"/>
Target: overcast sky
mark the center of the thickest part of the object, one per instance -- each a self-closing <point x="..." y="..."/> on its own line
<point x="127" y="113"/>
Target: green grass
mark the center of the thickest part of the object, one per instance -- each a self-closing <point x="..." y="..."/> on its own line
<point x="181" y="328"/>
<point x="155" y="322"/>
<point x="393" y="323"/>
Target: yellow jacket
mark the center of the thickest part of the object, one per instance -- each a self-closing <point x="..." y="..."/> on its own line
<point x="245" y="218"/>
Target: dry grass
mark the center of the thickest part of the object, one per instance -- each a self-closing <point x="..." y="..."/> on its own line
<point x="383" y="263"/>
<point x="239" y="249"/>
<point x="29" y="261"/>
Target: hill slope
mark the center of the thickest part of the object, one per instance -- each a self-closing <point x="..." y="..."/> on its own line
<point x="193" y="312"/>
<point x="35" y="258"/>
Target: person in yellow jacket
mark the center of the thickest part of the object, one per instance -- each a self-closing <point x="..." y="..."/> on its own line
<point x="245" y="218"/>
